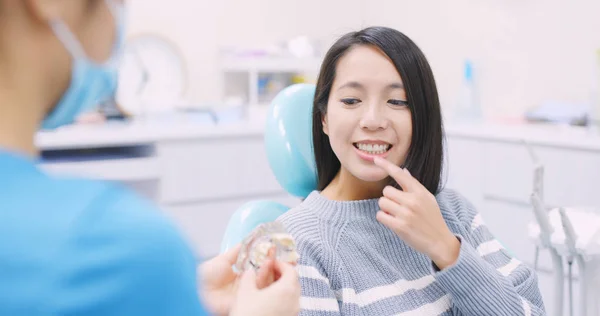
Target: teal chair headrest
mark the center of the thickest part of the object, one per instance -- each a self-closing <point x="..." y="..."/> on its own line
<point x="288" y="139"/>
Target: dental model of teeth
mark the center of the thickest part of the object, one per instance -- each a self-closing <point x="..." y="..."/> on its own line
<point x="268" y="240"/>
<point x="373" y="148"/>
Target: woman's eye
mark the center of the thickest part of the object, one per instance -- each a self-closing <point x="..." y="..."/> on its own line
<point x="398" y="102"/>
<point x="350" y="101"/>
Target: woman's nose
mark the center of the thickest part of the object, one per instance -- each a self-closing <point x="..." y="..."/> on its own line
<point x="374" y="118"/>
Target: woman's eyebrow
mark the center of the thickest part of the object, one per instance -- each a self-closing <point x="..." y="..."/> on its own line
<point x="352" y="84"/>
<point x="395" y="85"/>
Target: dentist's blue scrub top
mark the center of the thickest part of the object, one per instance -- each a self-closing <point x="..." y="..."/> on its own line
<point x="81" y="247"/>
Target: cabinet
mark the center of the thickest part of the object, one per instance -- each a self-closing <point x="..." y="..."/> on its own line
<point x="491" y="167"/>
<point x="199" y="174"/>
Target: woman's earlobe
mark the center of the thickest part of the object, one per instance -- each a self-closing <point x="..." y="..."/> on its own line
<point x="325" y="128"/>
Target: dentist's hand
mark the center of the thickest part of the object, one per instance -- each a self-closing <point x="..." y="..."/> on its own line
<point x="219" y="282"/>
<point x="414" y="215"/>
<point x="279" y="298"/>
<point x="273" y="290"/>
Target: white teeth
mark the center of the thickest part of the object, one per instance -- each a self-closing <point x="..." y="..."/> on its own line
<point x="374" y="149"/>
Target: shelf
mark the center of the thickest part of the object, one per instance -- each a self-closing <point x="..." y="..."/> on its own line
<point x="270" y="64"/>
<point x="126" y="170"/>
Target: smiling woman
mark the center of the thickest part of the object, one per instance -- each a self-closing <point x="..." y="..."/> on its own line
<point x="358" y="76"/>
<point x="380" y="236"/>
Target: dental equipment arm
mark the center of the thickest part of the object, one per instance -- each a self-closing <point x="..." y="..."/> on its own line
<point x="538" y="171"/>
<point x="546" y="231"/>
<point x="538" y="188"/>
<point x="570" y="242"/>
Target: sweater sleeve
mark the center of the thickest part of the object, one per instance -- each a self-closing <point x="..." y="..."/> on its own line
<point x="486" y="279"/>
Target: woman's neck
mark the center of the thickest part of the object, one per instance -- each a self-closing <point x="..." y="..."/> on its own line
<point x="29" y="83"/>
<point x="346" y="187"/>
<point x="18" y="119"/>
<point x="17" y="133"/>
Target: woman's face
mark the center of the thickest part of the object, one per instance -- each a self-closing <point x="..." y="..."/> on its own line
<point x="367" y="115"/>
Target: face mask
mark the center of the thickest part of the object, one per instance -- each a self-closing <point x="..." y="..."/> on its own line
<point x="91" y="83"/>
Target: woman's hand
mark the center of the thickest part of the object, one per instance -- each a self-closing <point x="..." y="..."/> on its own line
<point x="414" y="215"/>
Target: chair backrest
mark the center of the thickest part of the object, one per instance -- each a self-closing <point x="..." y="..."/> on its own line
<point x="288" y="144"/>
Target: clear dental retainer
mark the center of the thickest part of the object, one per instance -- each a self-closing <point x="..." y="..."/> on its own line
<point x="269" y="240"/>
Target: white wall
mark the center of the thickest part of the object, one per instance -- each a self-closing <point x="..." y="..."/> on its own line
<point x="526" y="51"/>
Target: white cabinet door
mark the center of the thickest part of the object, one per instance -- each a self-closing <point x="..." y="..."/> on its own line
<point x="508" y="172"/>
<point x="199" y="170"/>
<point x="509" y="224"/>
<point x="570" y="176"/>
<point x="463" y="170"/>
<point x="584" y="181"/>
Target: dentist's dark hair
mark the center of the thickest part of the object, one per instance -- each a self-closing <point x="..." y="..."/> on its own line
<point x="425" y="155"/>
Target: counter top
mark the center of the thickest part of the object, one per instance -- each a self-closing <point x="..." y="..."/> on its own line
<point x="182" y="127"/>
<point x="124" y="133"/>
<point x="571" y="137"/>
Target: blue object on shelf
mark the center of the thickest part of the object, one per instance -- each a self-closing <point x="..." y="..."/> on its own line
<point x="469" y="107"/>
<point x="468" y="71"/>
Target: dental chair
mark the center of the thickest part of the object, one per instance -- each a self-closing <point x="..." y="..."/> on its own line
<point x="288" y="144"/>
<point x="570" y="234"/>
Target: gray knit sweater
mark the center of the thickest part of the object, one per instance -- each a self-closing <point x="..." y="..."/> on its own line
<point x="352" y="265"/>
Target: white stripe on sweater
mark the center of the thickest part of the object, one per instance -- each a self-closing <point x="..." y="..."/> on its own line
<point x="319" y="304"/>
<point x="370" y="296"/>
<point x="489" y="247"/>
<point x="441" y="305"/>
<point x="477" y="221"/>
<point x="316" y="303"/>
<point x="375" y="294"/>
<point x="526" y="307"/>
<point x="309" y="272"/>
<point x="331" y="305"/>
<point x="349" y="296"/>
<point x="509" y="267"/>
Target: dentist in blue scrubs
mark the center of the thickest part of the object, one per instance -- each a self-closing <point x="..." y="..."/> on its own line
<point x="72" y="246"/>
